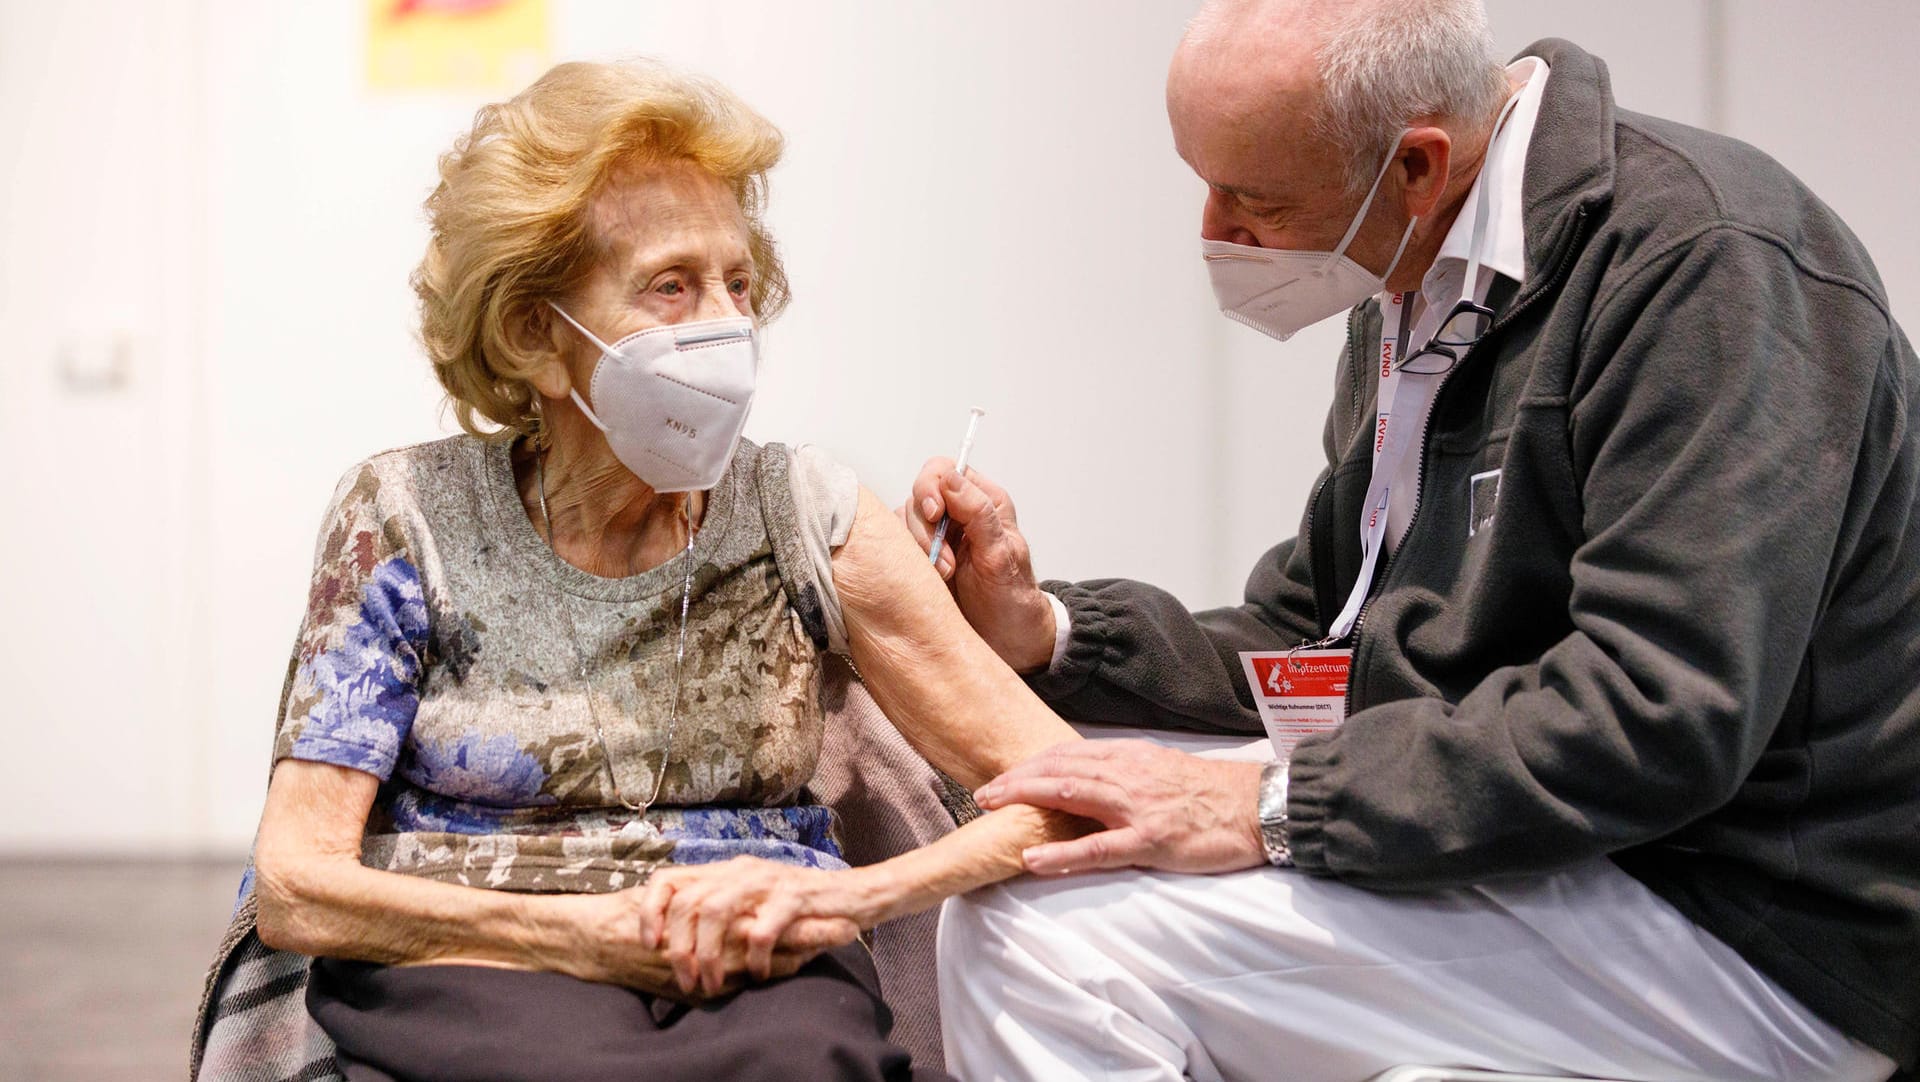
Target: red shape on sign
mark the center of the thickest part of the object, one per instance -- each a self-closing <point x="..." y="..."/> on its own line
<point x="1302" y="677"/>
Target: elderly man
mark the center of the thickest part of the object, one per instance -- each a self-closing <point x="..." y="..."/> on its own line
<point x="1605" y="613"/>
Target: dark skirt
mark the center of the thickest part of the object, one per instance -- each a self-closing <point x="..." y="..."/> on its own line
<point x="452" y="1023"/>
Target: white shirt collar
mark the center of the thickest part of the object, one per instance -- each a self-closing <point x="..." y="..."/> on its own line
<point x="1504" y="246"/>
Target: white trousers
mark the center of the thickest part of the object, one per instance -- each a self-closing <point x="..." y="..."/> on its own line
<point x="1273" y="975"/>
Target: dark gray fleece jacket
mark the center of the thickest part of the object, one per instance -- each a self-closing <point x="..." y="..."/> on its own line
<point x="1684" y="634"/>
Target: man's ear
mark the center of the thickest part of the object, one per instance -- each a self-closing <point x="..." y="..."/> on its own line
<point x="539" y="337"/>
<point x="1426" y="155"/>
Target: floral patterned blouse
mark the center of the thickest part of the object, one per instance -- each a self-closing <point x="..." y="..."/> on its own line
<point x="498" y="692"/>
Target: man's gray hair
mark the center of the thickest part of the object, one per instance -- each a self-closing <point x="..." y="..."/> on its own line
<point x="1385" y="63"/>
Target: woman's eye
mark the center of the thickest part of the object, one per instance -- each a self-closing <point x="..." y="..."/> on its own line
<point x="738" y="287"/>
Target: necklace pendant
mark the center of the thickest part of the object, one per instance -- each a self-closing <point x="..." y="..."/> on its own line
<point x="639" y="830"/>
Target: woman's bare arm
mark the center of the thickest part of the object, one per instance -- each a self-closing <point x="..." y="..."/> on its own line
<point x="951" y="696"/>
<point x="316" y="898"/>
<point x="960" y="707"/>
<point x="954" y="700"/>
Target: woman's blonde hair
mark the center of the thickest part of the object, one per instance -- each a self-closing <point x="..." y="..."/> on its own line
<point x="511" y="224"/>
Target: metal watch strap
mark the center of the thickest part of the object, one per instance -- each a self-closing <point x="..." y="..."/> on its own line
<point x="1273" y="814"/>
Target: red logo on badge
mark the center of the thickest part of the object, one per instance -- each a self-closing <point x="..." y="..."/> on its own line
<point x="1318" y="677"/>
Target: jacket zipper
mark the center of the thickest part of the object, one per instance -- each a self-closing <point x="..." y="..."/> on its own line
<point x="1562" y="268"/>
<point x="1313" y="505"/>
<point x="1353" y="370"/>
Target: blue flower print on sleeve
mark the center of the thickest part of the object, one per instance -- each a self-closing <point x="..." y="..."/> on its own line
<point x="415" y="810"/>
<point x="478" y="767"/>
<point x="367" y="687"/>
<point x="801" y="835"/>
<point x="717" y="850"/>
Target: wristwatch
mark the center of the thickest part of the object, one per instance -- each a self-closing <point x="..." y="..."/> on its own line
<point x="1273" y="814"/>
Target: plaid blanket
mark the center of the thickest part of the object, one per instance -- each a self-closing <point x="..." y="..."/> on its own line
<point x="253" y="1014"/>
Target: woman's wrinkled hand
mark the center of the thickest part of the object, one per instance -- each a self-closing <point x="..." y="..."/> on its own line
<point x="712" y="921"/>
<point x="609" y="946"/>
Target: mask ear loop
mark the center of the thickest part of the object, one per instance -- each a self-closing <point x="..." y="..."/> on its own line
<point x="1360" y="218"/>
<point x="1400" y="251"/>
<point x="1480" y="210"/>
<point x="574" y="392"/>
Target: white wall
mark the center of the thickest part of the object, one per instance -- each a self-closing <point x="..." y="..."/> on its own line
<point x="1823" y="87"/>
<point x="980" y="206"/>
<point x="102" y="429"/>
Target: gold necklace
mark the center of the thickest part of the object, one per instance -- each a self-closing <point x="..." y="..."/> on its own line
<point x="580" y="661"/>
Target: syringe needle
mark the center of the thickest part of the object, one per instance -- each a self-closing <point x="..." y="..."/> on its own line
<point x="959" y="467"/>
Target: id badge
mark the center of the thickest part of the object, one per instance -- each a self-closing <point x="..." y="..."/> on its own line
<point x="1300" y="693"/>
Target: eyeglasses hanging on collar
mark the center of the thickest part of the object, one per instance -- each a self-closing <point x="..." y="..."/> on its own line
<point x="1465" y="325"/>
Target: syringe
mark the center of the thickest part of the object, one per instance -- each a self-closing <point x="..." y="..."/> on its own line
<point x="959" y="467"/>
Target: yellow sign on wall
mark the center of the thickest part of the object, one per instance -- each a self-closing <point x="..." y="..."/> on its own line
<point x="490" y="45"/>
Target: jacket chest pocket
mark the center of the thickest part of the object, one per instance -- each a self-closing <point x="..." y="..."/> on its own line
<point x="1462" y="496"/>
<point x="1480" y="402"/>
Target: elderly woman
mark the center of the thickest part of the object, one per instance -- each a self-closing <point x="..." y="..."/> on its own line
<point x="550" y="666"/>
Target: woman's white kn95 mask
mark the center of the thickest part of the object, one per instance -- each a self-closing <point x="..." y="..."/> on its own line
<point x="673" y="400"/>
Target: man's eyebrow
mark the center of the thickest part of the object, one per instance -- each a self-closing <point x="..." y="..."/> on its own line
<point x="1245" y="193"/>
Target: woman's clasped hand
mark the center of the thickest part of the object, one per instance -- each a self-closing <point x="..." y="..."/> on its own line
<point x="747" y="917"/>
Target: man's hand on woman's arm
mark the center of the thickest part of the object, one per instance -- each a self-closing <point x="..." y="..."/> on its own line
<point x="1162" y="808"/>
<point x="316" y="898"/>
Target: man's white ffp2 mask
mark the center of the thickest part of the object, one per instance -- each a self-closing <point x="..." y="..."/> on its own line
<point x="1278" y="291"/>
<point x="673" y="400"/>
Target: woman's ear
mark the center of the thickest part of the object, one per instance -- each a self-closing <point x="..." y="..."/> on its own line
<point x="538" y="336"/>
<point x="1426" y="156"/>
